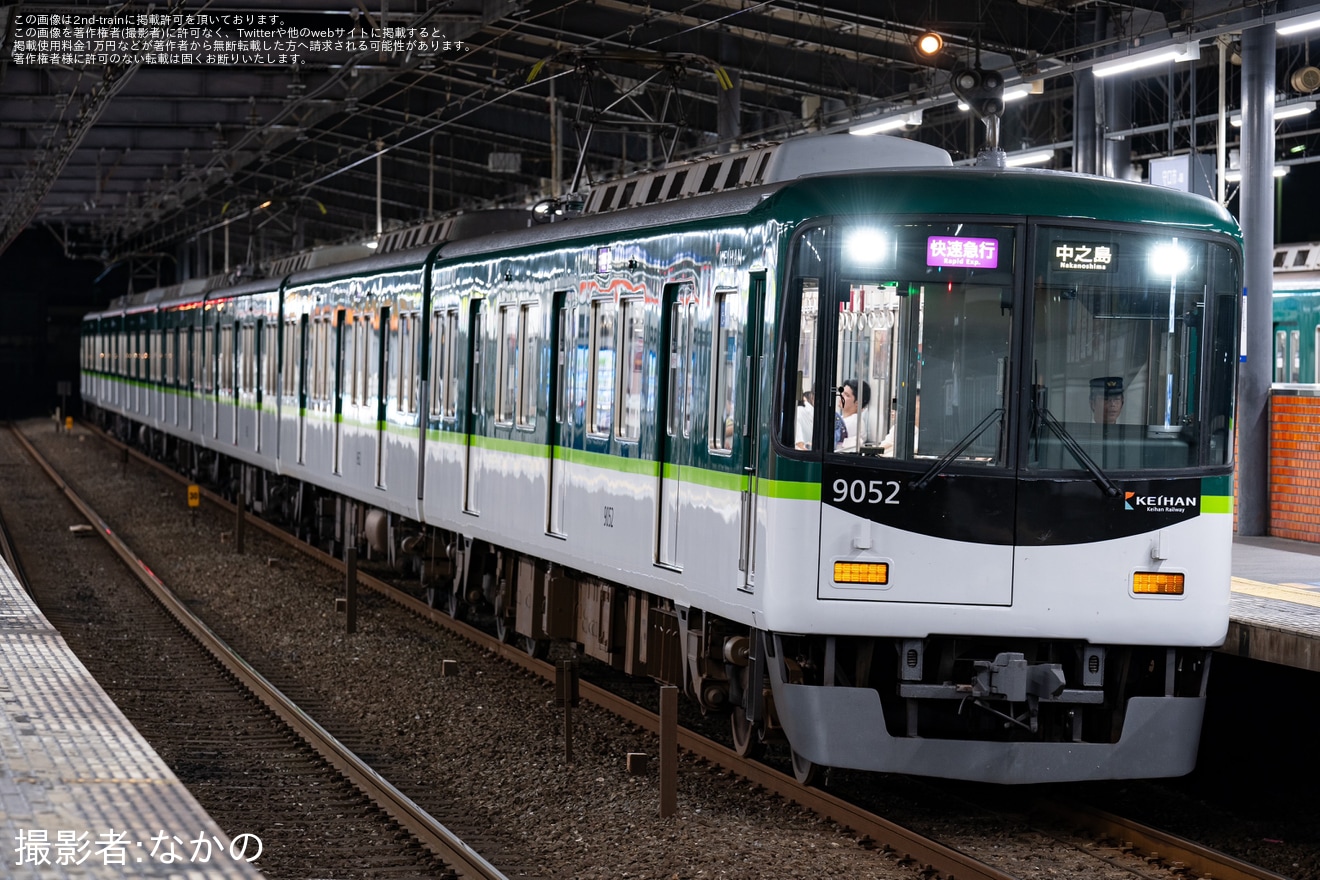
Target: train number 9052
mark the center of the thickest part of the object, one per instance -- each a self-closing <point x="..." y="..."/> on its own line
<point x="866" y="491"/>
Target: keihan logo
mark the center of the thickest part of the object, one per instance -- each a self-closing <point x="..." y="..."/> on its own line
<point x="1160" y="503"/>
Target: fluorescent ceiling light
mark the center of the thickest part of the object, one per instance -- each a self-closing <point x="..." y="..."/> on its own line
<point x="1298" y="25"/>
<point x="1235" y="174"/>
<point x="888" y="123"/>
<point x="1287" y="111"/>
<point x="1189" y="51"/>
<point x="1028" y="157"/>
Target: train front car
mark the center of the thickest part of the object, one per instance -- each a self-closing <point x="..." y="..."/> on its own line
<point x="1019" y="421"/>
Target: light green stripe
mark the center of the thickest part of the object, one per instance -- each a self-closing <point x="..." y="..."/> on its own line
<point x="1216" y="503"/>
<point x="605" y="461"/>
<point x="515" y="447"/>
<point x="789" y="490"/>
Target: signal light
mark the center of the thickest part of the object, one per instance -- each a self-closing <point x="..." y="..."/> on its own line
<point x="861" y="572"/>
<point x="1154" y="583"/>
<point x="929" y="43"/>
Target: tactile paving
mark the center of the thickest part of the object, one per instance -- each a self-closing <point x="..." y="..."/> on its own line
<point x="82" y="795"/>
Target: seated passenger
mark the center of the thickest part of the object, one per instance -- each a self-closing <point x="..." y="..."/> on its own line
<point x="848" y="426"/>
<point x="805" y="420"/>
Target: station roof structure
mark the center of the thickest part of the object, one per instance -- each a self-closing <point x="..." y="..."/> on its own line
<point x="164" y="135"/>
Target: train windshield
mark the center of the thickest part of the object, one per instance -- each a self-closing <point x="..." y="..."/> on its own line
<point x="920" y="319"/>
<point x="899" y="343"/>
<point x="1131" y="350"/>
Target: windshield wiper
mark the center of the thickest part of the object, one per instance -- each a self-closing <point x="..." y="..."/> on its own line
<point x="1076" y="449"/>
<point x="939" y="466"/>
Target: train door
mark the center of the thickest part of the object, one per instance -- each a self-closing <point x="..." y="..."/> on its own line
<point x="476" y="324"/>
<point x="678" y="316"/>
<point x="337" y="410"/>
<point x="254" y="364"/>
<point x="172" y="371"/>
<point x="381" y="388"/>
<point x="188" y="374"/>
<point x="561" y="343"/>
<point x="752" y="369"/>
<point x="304" y="383"/>
<point x="1287" y="353"/>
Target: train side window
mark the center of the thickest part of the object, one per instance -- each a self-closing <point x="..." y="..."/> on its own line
<point x="404" y="368"/>
<point x="797" y="393"/>
<point x="632" y="357"/>
<point x="317" y="378"/>
<point x="563" y="366"/>
<point x="529" y="369"/>
<point x="377" y="388"/>
<point x="602" y="364"/>
<point x="154" y="361"/>
<point x="358" y="371"/>
<point x="166" y="367"/>
<point x="678" y="346"/>
<point x="226" y="377"/>
<point x="438" y="347"/>
<point x="290" y="360"/>
<point x="451" y="366"/>
<point x="728" y="324"/>
<point x="1295" y="368"/>
<point x="270" y="359"/>
<point x="206" y="354"/>
<point x="506" y="403"/>
<point x="249" y="357"/>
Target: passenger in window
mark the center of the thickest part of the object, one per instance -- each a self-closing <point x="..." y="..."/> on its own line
<point x="805" y="419"/>
<point x="887" y="444"/>
<point x="1106" y="399"/>
<point x="848" y="424"/>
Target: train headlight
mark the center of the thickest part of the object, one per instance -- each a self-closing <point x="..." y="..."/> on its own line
<point x="861" y="572"/>
<point x="866" y="247"/>
<point x="1169" y="258"/>
<point x="1153" y="583"/>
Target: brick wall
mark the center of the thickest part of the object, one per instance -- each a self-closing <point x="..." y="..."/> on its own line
<point x="1295" y="465"/>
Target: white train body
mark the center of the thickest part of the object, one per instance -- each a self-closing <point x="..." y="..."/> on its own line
<point x="592" y="428"/>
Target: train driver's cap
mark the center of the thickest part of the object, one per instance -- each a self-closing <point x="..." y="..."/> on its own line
<point x="1109" y="386"/>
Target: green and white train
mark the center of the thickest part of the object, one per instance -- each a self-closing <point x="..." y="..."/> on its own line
<point x="925" y="469"/>
<point x="1297" y="314"/>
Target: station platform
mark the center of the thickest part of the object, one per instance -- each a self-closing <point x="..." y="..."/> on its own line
<point x="82" y="794"/>
<point x="1275" y="608"/>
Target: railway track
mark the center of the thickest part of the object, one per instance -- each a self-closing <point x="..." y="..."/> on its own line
<point x="1160" y="852"/>
<point x="454" y="854"/>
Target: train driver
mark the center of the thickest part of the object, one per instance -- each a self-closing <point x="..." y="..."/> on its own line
<point x="1106" y="399"/>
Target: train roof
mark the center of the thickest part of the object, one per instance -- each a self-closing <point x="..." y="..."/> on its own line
<point x="411" y="258"/>
<point x="909" y="190"/>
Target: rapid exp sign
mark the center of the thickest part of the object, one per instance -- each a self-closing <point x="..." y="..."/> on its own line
<point x="967" y="253"/>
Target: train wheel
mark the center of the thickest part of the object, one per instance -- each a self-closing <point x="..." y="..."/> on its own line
<point x="537" y="649"/>
<point x="435" y="595"/>
<point x="746" y="734"/>
<point x="455" y="607"/>
<point x="807" y="772"/>
<point x="504" y="630"/>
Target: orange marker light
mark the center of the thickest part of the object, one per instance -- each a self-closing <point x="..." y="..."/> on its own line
<point x="1153" y="583"/>
<point x="861" y="572"/>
